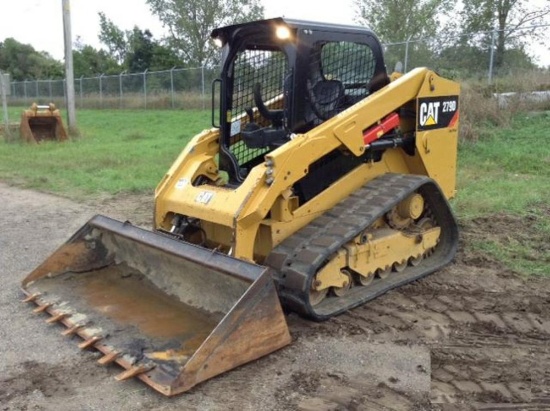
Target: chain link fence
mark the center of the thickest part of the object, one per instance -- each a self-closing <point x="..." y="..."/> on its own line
<point x="190" y="88"/>
<point x="174" y="89"/>
<point x="456" y="58"/>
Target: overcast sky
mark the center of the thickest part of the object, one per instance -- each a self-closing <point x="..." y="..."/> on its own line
<point x="39" y="22"/>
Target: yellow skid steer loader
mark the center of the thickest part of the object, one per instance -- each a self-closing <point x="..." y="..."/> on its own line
<point x="321" y="185"/>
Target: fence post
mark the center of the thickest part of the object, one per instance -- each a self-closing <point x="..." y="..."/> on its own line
<point x="145" y="87"/>
<point x="203" y="94"/>
<point x="50" y="88"/>
<point x="101" y="90"/>
<point x="120" y="85"/>
<point x="25" y="91"/>
<point x="81" y="93"/>
<point x="492" y="56"/>
<point x="36" y="89"/>
<point x="64" y="82"/>
<point x="172" y="85"/>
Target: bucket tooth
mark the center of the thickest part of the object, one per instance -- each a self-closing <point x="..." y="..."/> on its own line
<point x="42" y="308"/>
<point x="89" y="342"/>
<point x="73" y="330"/>
<point x="133" y="372"/>
<point x="109" y="358"/>
<point x="56" y="318"/>
<point x="31" y="298"/>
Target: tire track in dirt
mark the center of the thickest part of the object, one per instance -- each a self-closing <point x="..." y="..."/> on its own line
<point x="488" y="345"/>
<point x="488" y="332"/>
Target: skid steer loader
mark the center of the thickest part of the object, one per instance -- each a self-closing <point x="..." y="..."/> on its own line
<point x="321" y="185"/>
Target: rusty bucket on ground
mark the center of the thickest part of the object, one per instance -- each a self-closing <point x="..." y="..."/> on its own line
<point x="171" y="313"/>
<point x="42" y="123"/>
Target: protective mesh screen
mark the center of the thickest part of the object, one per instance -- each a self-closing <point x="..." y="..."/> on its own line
<point x="268" y="68"/>
<point x="350" y="64"/>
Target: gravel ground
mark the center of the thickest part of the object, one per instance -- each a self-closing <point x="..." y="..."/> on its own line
<point x="473" y="334"/>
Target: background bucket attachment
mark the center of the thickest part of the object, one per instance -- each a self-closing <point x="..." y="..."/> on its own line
<point x="42" y="123"/>
<point x="171" y="313"/>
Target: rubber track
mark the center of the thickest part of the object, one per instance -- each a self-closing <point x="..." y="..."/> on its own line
<point x="298" y="258"/>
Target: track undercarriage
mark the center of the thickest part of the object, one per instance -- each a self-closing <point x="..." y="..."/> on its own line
<point x="394" y="230"/>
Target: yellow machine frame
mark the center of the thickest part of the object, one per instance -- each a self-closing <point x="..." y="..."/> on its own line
<point x="247" y="233"/>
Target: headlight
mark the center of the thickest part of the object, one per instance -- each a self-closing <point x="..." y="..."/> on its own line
<point x="282" y="32"/>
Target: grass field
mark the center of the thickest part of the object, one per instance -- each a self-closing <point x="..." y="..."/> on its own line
<point x="506" y="171"/>
<point x="504" y="178"/>
<point x="117" y="151"/>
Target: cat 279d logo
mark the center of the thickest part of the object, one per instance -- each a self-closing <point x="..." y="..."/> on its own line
<point x="437" y="112"/>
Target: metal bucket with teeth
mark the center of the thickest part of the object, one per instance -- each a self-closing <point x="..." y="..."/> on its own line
<point x="170" y="313"/>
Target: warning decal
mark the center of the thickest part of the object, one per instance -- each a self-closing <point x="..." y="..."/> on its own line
<point x="437" y="112"/>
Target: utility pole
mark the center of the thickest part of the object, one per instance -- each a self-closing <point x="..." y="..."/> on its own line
<point x="69" y="74"/>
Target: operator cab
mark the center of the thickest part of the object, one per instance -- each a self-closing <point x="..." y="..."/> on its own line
<point x="282" y="77"/>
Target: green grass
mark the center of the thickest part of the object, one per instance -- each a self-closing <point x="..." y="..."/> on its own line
<point x="505" y="178"/>
<point x="117" y="151"/>
<point x="505" y="175"/>
<point x="508" y="170"/>
<point x="519" y="256"/>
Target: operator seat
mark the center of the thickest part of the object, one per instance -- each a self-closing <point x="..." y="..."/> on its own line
<point x="327" y="97"/>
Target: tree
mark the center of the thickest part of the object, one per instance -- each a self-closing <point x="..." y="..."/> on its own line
<point x="164" y="57"/>
<point x="144" y="52"/>
<point x="135" y="50"/>
<point x="512" y="20"/>
<point x="398" y="20"/>
<point x="190" y="23"/>
<point x="23" y="62"/>
<point x="113" y="38"/>
<point x="140" y="54"/>
<point x="88" y="61"/>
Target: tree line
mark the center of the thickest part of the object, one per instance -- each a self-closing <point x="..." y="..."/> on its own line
<point x="445" y="27"/>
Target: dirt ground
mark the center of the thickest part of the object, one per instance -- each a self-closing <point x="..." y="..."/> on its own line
<point x="472" y="336"/>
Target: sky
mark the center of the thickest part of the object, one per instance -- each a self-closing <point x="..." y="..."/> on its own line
<point x="40" y="22"/>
